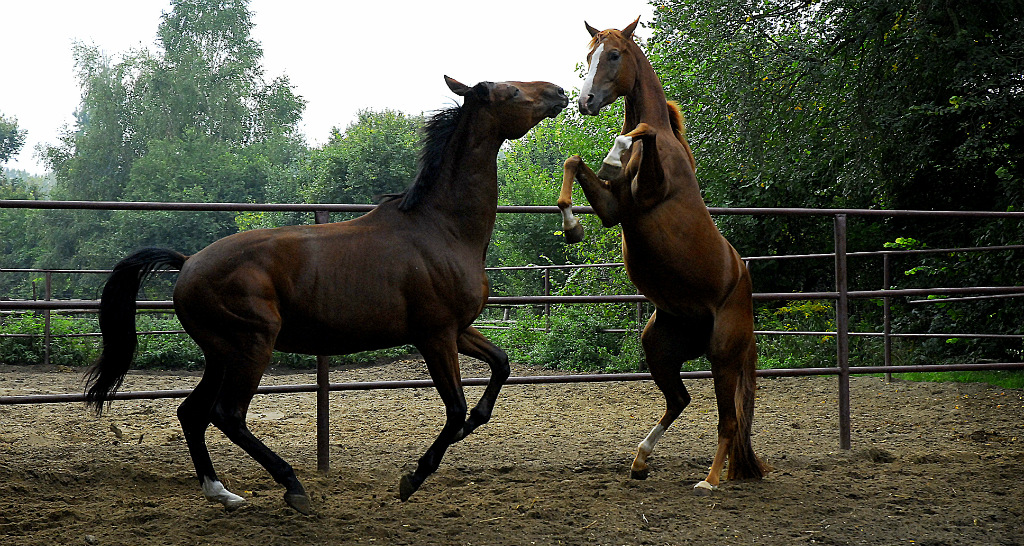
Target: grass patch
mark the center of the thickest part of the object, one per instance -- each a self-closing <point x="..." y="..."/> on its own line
<point x="1006" y="379"/>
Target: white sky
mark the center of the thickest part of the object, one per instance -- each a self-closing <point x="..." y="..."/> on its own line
<point x="340" y="56"/>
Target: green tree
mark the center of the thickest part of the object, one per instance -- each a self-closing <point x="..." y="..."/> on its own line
<point x="854" y="103"/>
<point x="197" y="121"/>
<point x="17" y="226"/>
<point x="209" y="80"/>
<point x="12" y="138"/>
<point x="375" y="155"/>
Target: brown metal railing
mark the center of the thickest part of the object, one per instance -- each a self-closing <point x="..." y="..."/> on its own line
<point x="841" y="295"/>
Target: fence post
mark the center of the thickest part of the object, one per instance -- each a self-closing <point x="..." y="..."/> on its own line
<point x="547" y="306"/>
<point x="323" y="392"/>
<point x="842" y="333"/>
<point x="46" y="318"/>
<point x="887" y="316"/>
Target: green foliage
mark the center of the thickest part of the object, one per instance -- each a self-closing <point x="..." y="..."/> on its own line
<point x="197" y="121"/>
<point x="573" y="338"/>
<point x="12" y="139"/>
<point x="376" y="155"/>
<point x="65" y="351"/>
<point x="1006" y="379"/>
<point x="530" y="173"/>
<point x="155" y="351"/>
<point x="793" y="350"/>
<point x="846" y="103"/>
<point x="828" y="103"/>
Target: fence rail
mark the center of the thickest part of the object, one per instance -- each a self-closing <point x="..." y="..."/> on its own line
<point x="841" y="296"/>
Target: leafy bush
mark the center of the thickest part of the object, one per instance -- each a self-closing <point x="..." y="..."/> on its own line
<point x="155" y="351"/>
<point x="64" y="351"/>
<point x="791" y="350"/>
<point x="573" y="339"/>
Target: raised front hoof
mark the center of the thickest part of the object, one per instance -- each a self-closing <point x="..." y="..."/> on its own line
<point x="640" y="474"/>
<point x="300" y="502"/>
<point x="408" y="486"/>
<point x="703" y="489"/>
<point x="573" y="235"/>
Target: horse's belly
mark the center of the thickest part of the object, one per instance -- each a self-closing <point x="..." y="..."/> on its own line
<point x="318" y="339"/>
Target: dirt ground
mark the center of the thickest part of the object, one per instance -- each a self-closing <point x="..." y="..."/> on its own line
<point x="931" y="464"/>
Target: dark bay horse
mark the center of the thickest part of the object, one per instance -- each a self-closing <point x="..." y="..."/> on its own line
<point x="673" y="251"/>
<point x="409" y="272"/>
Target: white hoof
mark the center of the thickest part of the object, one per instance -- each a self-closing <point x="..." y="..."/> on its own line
<point x="216" y="492"/>
<point x="704" y="488"/>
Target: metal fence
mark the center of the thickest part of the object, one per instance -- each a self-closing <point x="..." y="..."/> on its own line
<point x="841" y="296"/>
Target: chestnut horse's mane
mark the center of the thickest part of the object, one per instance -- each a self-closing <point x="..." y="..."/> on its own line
<point x="675" y="117"/>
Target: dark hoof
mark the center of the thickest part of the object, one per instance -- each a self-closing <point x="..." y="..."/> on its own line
<point x="574" y="235"/>
<point x="300" y="502"/>
<point x="639" y="474"/>
<point x="406" y="487"/>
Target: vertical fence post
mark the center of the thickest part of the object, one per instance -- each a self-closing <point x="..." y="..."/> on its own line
<point x="46" y="318"/>
<point x="323" y="393"/>
<point x="547" y="306"/>
<point x="887" y="316"/>
<point x="642" y="364"/>
<point x="842" y="332"/>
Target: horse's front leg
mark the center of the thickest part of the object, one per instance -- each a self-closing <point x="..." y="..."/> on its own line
<point x="597" y="191"/>
<point x="472" y="343"/>
<point x="442" y="358"/>
<point x="572" y="230"/>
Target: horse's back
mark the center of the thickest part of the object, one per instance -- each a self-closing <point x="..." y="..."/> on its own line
<point x="330" y="288"/>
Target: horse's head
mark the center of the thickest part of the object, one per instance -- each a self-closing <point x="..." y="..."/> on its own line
<point x="612" y="68"/>
<point x="515" y="106"/>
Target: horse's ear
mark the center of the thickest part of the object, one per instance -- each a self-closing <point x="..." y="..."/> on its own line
<point x="593" y="31"/>
<point x="458" y="88"/>
<point x="628" y="31"/>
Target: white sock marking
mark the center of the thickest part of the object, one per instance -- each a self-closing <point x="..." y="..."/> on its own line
<point x="647" y="446"/>
<point x="614" y="157"/>
<point x="703" y="487"/>
<point x="215" y="491"/>
<point x="569" y="221"/>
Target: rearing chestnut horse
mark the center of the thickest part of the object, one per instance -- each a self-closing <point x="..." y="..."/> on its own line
<point x="673" y="251"/>
<point x="411" y="271"/>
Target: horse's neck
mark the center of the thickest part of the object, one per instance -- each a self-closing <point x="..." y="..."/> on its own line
<point x="466" y="192"/>
<point x="646" y="101"/>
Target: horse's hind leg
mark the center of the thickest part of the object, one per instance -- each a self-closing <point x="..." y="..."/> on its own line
<point x="733" y="356"/>
<point x="667" y="341"/>
<point x="194" y="414"/>
<point x="240" y="384"/>
<point x="443" y="362"/>
<point x="472" y="343"/>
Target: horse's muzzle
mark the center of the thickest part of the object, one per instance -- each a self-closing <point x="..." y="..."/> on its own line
<point x="559" y="103"/>
<point x="589" y="105"/>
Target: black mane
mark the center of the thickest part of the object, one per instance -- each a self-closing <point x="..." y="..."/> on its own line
<point x="437" y="131"/>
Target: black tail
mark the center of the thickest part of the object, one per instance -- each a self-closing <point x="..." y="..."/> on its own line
<point x="117" y="322"/>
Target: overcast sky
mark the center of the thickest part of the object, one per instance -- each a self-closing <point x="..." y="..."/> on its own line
<point x="340" y="56"/>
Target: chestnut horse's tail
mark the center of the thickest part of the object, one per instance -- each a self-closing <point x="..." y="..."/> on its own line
<point x="744" y="464"/>
<point x="117" y="322"/>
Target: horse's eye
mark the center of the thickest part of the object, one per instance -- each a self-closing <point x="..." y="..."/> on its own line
<point x="613" y="55"/>
<point x="515" y="93"/>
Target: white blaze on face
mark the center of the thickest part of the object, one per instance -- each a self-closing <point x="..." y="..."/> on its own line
<point x="595" y="59"/>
